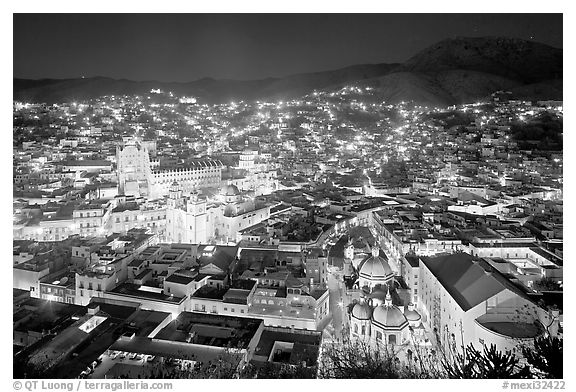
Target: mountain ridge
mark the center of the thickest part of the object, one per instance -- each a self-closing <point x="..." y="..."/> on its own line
<point x="453" y="70"/>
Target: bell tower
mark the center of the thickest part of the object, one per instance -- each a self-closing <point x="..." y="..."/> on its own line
<point x="375" y="251"/>
<point x="175" y="196"/>
<point x="196" y="219"/>
<point x="196" y="205"/>
<point x="349" y="250"/>
<point x="348" y="257"/>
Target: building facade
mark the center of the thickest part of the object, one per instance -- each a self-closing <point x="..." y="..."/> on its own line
<point x="138" y="176"/>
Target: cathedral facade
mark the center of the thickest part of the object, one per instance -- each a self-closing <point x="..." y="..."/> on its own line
<point x="186" y="217"/>
<point x="139" y="177"/>
<point x="190" y="218"/>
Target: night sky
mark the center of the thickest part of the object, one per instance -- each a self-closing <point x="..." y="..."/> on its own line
<point x="186" y="47"/>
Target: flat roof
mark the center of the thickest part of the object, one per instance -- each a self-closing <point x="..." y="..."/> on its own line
<point x="515" y="329"/>
<point x="243" y="284"/>
<point x="199" y="277"/>
<point x="306" y="344"/>
<point x="236" y="296"/>
<point x="179" y="279"/>
<point x="146" y="321"/>
<point x="46" y="314"/>
<point x="149" y="250"/>
<point x="171" y="349"/>
<point x="412" y="260"/>
<point x="136" y="263"/>
<point x="210" y="292"/>
<point x="211" y="330"/>
<point x="133" y="290"/>
<point x="121" y="312"/>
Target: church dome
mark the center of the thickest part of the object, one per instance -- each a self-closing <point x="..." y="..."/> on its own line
<point x="411" y="314"/>
<point x="389" y="316"/>
<point x="231" y="190"/>
<point x="362" y="311"/>
<point x="376" y="267"/>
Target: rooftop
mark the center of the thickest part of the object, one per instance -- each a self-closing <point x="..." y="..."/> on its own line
<point x="243" y="284"/>
<point x="87" y="162"/>
<point x="306" y="344"/>
<point x="146" y="321"/>
<point x="134" y="290"/>
<point x="179" y="279"/>
<point x="210" y="292"/>
<point x="514" y="329"/>
<point x="221" y="256"/>
<point x="464" y="279"/>
<point x="166" y="349"/>
<point x="211" y="330"/>
<point x="127" y="207"/>
<point x="45" y="314"/>
<point x="236" y="296"/>
<point x="143" y="273"/>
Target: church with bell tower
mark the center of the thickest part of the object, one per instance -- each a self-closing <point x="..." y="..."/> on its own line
<point x="186" y="217"/>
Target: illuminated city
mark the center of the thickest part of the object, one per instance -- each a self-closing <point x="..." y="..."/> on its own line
<point x="160" y="232"/>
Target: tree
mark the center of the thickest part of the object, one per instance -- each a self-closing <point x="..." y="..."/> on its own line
<point x="355" y="358"/>
<point x="488" y="363"/>
<point x="270" y="370"/>
<point x="546" y="357"/>
<point x="547" y="284"/>
<point x="423" y="362"/>
<point x="227" y="365"/>
<point x="467" y="362"/>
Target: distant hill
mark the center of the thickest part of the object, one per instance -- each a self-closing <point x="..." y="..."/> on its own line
<point x="516" y="59"/>
<point x="451" y="71"/>
<point x="208" y="89"/>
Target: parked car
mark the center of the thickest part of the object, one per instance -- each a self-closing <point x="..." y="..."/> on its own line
<point x="150" y="358"/>
<point x="133" y="356"/>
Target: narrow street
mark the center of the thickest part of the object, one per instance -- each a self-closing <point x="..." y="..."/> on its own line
<point x="337" y="305"/>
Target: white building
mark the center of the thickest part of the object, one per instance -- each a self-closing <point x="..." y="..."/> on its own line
<point x="134" y="169"/>
<point x="186" y="217"/>
<point x="136" y="175"/>
<point x="378" y="321"/>
<point x="90" y="219"/>
<point x="190" y="219"/>
<point x="464" y="300"/>
<point x="191" y="177"/>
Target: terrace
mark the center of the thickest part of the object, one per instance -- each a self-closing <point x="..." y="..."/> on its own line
<point x="211" y="330"/>
<point x="137" y="291"/>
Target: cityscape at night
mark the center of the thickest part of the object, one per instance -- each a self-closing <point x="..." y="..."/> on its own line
<point x="306" y="196"/>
